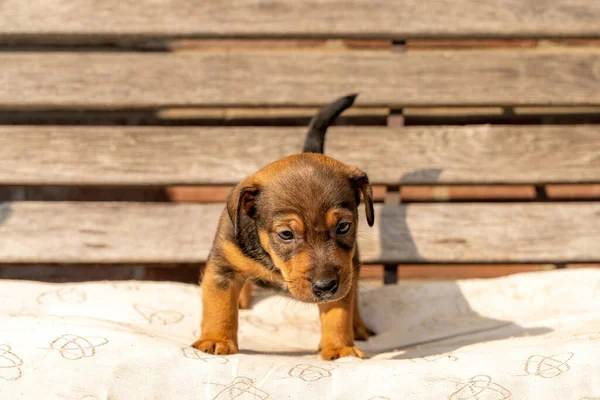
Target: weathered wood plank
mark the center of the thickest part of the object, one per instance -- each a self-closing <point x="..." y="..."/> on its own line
<point x="412" y="193"/>
<point x="74" y="232"/>
<point x="218" y="194"/>
<point x="138" y="80"/>
<point x="203" y="155"/>
<point x="467" y="193"/>
<point x="452" y="272"/>
<point x="452" y="111"/>
<point x="429" y="44"/>
<point x="33" y="232"/>
<point x="484" y="232"/>
<point x="573" y="191"/>
<point x="373" y="273"/>
<point x="232" y="113"/>
<point x="314" y="18"/>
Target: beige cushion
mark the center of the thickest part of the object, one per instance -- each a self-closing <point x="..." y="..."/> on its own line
<point x="527" y="336"/>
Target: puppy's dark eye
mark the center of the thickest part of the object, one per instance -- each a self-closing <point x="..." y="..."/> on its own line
<point x="286" y="236"/>
<point x="343" y="228"/>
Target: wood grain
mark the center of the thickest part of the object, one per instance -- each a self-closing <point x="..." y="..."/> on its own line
<point x="34" y="232"/>
<point x="483" y="233"/>
<point x="203" y="155"/>
<point x="103" y="232"/>
<point x="215" y="79"/>
<point x="311" y="18"/>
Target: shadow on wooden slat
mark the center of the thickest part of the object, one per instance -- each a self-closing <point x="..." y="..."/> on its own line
<point x="393" y="223"/>
<point x="5" y="212"/>
<point x="421" y="175"/>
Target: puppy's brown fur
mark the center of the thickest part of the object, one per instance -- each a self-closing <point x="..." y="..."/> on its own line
<point x="291" y="226"/>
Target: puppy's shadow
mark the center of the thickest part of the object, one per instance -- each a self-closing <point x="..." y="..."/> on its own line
<point x="432" y="351"/>
<point x="432" y="316"/>
<point x="279" y="353"/>
<point x="422" y="320"/>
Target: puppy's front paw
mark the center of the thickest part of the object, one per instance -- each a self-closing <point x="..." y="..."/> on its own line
<point x="333" y="353"/>
<point x="361" y="331"/>
<point x="220" y="347"/>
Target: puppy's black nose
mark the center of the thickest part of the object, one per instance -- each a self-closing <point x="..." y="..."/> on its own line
<point x="325" y="289"/>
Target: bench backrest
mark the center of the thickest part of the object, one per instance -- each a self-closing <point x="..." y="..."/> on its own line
<point x="194" y="80"/>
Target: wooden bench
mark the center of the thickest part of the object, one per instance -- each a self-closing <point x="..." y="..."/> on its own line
<point x="151" y="96"/>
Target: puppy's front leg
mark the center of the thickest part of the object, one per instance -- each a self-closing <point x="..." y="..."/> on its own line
<point x="337" y="334"/>
<point x="220" y="296"/>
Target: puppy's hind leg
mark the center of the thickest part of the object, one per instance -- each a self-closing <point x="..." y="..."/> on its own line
<point x="246" y="296"/>
<point x="361" y="331"/>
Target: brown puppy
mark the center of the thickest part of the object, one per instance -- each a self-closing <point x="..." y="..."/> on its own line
<point x="291" y="226"/>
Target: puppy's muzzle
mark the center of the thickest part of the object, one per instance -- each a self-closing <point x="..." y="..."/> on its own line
<point x="325" y="289"/>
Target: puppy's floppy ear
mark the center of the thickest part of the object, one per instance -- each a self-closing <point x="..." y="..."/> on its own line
<point x="360" y="182"/>
<point x="242" y="200"/>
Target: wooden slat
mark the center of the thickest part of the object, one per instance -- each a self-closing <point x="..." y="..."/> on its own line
<point x="452" y="112"/>
<point x="428" y="44"/>
<point x="573" y="191"/>
<point x="484" y="233"/>
<point x="192" y="45"/>
<point x="198" y="194"/>
<point x="33" y="232"/>
<point x="201" y="155"/>
<point x="218" y="194"/>
<point x="374" y="273"/>
<point x="65" y="232"/>
<point x="467" y="193"/>
<point x="181" y="45"/>
<point x="584" y="266"/>
<point x="261" y="113"/>
<point x="377" y="18"/>
<point x="137" y="80"/>
<point x="437" y="272"/>
<point x="555" y="110"/>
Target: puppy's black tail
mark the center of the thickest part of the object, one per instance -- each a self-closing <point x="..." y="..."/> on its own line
<point x="317" y="128"/>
